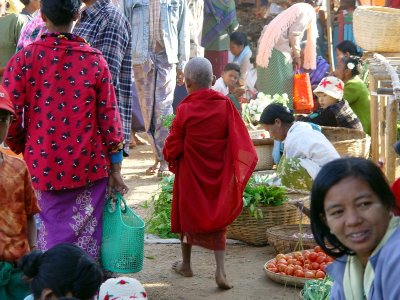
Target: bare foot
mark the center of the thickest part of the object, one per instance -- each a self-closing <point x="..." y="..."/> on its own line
<point x="222" y="282"/>
<point x="185" y="271"/>
<point x="153" y="169"/>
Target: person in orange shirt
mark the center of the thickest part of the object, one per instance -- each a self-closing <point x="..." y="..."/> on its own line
<point x="18" y="204"/>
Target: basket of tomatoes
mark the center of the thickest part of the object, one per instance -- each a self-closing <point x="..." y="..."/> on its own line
<point x="296" y="268"/>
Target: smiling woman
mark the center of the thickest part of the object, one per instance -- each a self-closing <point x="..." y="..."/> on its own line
<point x="351" y="219"/>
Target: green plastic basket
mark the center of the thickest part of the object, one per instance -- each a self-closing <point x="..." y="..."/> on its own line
<point x="122" y="248"/>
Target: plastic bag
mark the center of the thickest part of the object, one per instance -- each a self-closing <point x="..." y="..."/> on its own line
<point x="303" y="101"/>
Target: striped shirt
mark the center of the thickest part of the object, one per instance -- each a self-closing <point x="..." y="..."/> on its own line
<point x="107" y="30"/>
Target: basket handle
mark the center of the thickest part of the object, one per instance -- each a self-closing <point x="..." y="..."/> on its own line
<point x="116" y="199"/>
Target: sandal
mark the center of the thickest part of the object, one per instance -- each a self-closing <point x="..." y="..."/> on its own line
<point x="163" y="173"/>
<point x="152" y="170"/>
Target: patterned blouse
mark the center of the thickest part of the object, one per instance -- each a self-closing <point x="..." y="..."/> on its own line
<point x="68" y="119"/>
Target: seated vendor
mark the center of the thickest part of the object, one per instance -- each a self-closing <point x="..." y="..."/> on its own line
<point x="305" y="151"/>
<point x="334" y="111"/>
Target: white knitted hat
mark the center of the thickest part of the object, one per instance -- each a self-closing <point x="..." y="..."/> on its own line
<point x="122" y="288"/>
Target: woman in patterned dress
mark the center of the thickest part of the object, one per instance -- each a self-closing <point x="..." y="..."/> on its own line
<point x="68" y="127"/>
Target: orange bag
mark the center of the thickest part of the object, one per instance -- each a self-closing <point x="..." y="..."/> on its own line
<point x="303" y="102"/>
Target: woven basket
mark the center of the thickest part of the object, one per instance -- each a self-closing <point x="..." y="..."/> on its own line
<point x="252" y="231"/>
<point x="282" y="240"/>
<point x="348" y="142"/>
<point x="377" y="28"/>
<point x="284" y="279"/>
<point x="264" y="152"/>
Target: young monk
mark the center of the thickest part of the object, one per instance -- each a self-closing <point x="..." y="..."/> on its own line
<point x="212" y="156"/>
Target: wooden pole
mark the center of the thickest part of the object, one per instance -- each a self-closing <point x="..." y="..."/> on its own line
<point x="391" y="133"/>
<point x="374" y="120"/>
<point x="329" y="34"/>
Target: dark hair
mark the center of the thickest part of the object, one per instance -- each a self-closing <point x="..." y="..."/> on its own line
<point x="239" y="38"/>
<point x="60" y="12"/>
<point x="328" y="176"/>
<point x="232" y="67"/>
<point x="314" y="3"/>
<point x="63" y="268"/>
<point x="25" y="2"/>
<point x="276" y="111"/>
<point x="356" y="61"/>
<point x="348" y="47"/>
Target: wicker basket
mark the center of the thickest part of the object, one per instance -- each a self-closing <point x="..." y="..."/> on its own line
<point x="264" y="152"/>
<point x="284" y="279"/>
<point x="282" y="240"/>
<point x="377" y="28"/>
<point x="252" y="231"/>
<point x="348" y="142"/>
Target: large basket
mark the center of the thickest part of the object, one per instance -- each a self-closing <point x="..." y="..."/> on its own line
<point x="122" y="248"/>
<point x="377" y="28"/>
<point x="282" y="238"/>
<point x="284" y="279"/>
<point x="264" y="149"/>
<point x="248" y="229"/>
<point x="348" y="142"/>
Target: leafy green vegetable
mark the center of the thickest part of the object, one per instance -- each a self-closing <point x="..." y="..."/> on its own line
<point x="317" y="289"/>
<point x="259" y="193"/>
<point x="167" y="120"/>
<point x="160" y="220"/>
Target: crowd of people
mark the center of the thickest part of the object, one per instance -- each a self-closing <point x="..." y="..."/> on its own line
<point x="79" y="80"/>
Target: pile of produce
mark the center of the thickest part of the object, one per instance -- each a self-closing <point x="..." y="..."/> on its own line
<point x="160" y="220"/>
<point x="317" y="289"/>
<point x="259" y="193"/>
<point x="306" y="264"/>
<point x="252" y="111"/>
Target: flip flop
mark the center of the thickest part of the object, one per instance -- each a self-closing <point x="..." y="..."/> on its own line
<point x="152" y="170"/>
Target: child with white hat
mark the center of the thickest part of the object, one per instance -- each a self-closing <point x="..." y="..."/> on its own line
<point x="334" y="111"/>
<point x="122" y="288"/>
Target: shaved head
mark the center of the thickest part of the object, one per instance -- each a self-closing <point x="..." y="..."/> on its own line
<point x="199" y="72"/>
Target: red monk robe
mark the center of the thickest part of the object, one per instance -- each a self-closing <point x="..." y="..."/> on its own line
<point x="213" y="157"/>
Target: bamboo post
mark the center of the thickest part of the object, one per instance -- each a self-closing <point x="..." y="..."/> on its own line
<point x="374" y="119"/>
<point x="391" y="133"/>
<point x="329" y="34"/>
<point x="382" y="130"/>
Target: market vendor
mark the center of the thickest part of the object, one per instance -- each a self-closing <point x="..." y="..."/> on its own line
<point x="355" y="91"/>
<point x="211" y="153"/>
<point x="305" y="151"/>
<point x="351" y="211"/>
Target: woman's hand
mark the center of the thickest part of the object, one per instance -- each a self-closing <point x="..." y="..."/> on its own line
<point x="296" y="63"/>
<point x="116" y="183"/>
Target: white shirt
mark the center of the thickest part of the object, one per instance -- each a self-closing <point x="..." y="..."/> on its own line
<point x="221" y="87"/>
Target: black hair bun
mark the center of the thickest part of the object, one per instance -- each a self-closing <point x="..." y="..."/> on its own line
<point x="30" y="263"/>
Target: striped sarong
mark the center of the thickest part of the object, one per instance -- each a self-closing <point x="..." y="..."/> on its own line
<point x="277" y="78"/>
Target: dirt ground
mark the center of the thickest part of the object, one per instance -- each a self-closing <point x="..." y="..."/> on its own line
<point x="244" y="264"/>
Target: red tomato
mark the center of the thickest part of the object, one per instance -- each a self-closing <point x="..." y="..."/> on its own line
<point x="322" y="266"/>
<point x="282" y="261"/>
<point x="271" y="264"/>
<point x="289" y="270"/>
<point x="319" y="274"/>
<point x="317" y="249"/>
<point x="307" y="267"/>
<point x="313" y="256"/>
<point x="292" y="261"/>
<point x="320" y="259"/>
<point x="309" y="274"/>
<point x="275" y="270"/>
<point x="281" y="267"/>
<point x="298" y="263"/>
<point x="299" y="273"/>
<point x="280" y="256"/>
<point x="296" y="267"/>
<point x="315" y="265"/>
<point x="306" y="253"/>
<point x="297" y="254"/>
<point x="288" y="256"/>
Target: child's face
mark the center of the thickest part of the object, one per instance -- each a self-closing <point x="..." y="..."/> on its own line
<point x="230" y="78"/>
<point x="4" y="124"/>
<point x="325" y="100"/>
